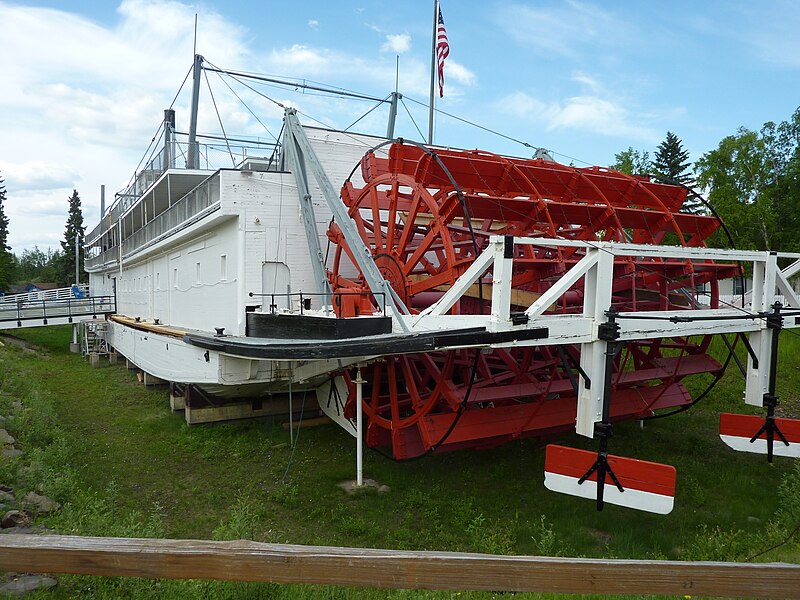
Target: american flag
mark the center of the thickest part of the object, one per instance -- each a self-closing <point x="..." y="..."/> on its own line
<point x="442" y="51"/>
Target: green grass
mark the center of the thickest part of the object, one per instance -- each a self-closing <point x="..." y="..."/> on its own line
<point x="109" y="450"/>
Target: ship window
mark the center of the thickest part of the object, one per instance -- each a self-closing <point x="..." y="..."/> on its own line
<point x="197" y="278"/>
<point x="223" y="267"/>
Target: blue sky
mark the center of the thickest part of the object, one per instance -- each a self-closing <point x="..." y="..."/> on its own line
<point x="85" y="83"/>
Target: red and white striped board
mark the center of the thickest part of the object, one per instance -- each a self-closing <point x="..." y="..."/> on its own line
<point x="737" y="431"/>
<point x="648" y="486"/>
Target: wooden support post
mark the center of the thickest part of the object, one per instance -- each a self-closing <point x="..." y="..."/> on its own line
<point x="176" y="402"/>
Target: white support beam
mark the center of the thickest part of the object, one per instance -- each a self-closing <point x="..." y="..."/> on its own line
<point x="764" y="282"/>
<point x="655" y="324"/>
<point x="653" y="251"/>
<point x="363" y="256"/>
<point x="563" y="284"/>
<point x="785" y="288"/>
<point x="597" y="270"/>
<point x="597" y="299"/>
<point x="501" y="282"/>
<point x="791" y="270"/>
<point x="463" y="283"/>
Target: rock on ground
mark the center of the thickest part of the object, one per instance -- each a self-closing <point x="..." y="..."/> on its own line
<point x="11" y="452"/>
<point x="14" y="518"/>
<point x="6" y="438"/>
<point x="40" y="504"/>
<point x="23" y="584"/>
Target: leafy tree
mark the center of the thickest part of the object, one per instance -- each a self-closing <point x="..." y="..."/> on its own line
<point x="632" y="162"/>
<point x="35" y="266"/>
<point x="753" y="180"/>
<point x="66" y="265"/>
<point x="6" y="258"/>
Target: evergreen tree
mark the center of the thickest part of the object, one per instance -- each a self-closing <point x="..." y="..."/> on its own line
<point x="672" y="160"/>
<point x="6" y="258"/>
<point x="66" y="271"/>
<point x="672" y="163"/>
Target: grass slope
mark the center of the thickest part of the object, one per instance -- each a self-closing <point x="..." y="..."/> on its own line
<point x="121" y="464"/>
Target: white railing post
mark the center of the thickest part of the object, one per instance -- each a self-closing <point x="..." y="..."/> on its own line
<point x="359" y="425"/>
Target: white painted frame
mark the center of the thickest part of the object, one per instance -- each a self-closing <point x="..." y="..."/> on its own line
<point x="596" y="269"/>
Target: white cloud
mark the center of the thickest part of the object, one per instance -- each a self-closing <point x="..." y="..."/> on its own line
<point x="37" y="175"/>
<point x="773" y="33"/>
<point x="313" y="24"/>
<point x="300" y="59"/>
<point x="397" y="43"/>
<point x="80" y="100"/>
<point x="565" y="28"/>
<point x="459" y="73"/>
<point x="582" y="113"/>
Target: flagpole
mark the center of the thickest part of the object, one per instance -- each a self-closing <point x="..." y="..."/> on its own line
<point x="433" y="69"/>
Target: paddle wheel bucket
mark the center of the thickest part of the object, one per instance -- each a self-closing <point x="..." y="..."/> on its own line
<point x="425" y="215"/>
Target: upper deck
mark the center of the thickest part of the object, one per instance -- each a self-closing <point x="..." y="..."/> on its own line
<point x="164" y="196"/>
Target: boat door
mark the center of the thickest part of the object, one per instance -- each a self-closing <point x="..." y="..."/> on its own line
<point x="276" y="279"/>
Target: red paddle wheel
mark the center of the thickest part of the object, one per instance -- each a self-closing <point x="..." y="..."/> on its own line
<point x="426" y="214"/>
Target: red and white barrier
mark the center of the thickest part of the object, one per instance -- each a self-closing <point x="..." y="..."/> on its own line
<point x="737" y="431"/>
<point x="647" y="486"/>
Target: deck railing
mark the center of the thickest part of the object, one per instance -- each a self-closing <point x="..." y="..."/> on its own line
<point x="180" y="213"/>
<point x="27" y="311"/>
<point x="199" y="199"/>
<point x="79" y="291"/>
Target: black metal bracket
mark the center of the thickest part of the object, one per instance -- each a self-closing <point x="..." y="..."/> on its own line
<point x="770" y="427"/>
<point x="508" y="246"/>
<point x="519" y="318"/>
<point x="734" y="356"/>
<point x="601" y="465"/>
<point x="609" y="332"/>
<point x="750" y="351"/>
<point x="569" y="363"/>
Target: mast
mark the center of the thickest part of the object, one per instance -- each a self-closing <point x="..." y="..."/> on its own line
<point x="433" y="69"/>
<point x="392" y="114"/>
<point x="193" y="160"/>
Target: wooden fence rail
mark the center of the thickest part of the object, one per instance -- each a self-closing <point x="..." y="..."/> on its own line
<point x="365" y="567"/>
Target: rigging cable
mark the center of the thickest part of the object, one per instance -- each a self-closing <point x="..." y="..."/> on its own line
<point x="410" y="116"/>
<point x="219" y="118"/>
<point x="243" y="103"/>
<point x="296" y="438"/>
<point x="365" y="114"/>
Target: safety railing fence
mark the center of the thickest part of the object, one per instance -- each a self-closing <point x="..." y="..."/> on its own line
<point x="200" y="198"/>
<point x="302" y="301"/>
<point x="79" y="291"/>
<point x="27" y="310"/>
